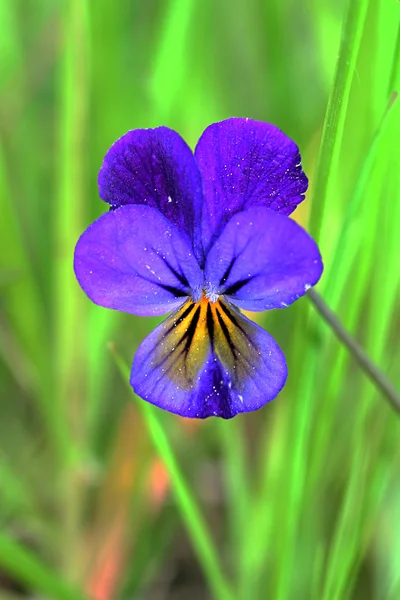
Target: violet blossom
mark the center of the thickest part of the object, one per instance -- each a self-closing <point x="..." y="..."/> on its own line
<point x="202" y="236"/>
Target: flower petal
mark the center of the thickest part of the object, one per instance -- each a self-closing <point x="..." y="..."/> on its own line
<point x="133" y="259"/>
<point x="157" y="168"/>
<point x="207" y="359"/>
<point x="247" y="163"/>
<point x="263" y="260"/>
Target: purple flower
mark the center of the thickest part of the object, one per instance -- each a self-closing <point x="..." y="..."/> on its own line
<point x="203" y="236"/>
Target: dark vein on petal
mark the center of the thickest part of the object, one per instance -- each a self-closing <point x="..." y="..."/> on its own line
<point x="247" y="365"/>
<point x="237" y="286"/>
<point x="179" y="275"/>
<point x="175" y="356"/>
<point x="183" y="316"/>
<point x="173" y="362"/>
<point x="173" y="290"/>
<point x="191" y="330"/>
<point x="210" y="326"/>
<point x="226" y="333"/>
<point x="188" y="336"/>
<point x="225" y="276"/>
<point x="168" y="288"/>
<point x="234" y="320"/>
<point x="148" y="168"/>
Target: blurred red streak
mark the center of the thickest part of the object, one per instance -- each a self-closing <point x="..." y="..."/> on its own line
<point x="105" y="577"/>
<point x="109" y="544"/>
<point x="158" y="484"/>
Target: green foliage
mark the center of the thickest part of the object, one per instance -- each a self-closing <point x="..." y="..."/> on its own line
<point x="297" y="501"/>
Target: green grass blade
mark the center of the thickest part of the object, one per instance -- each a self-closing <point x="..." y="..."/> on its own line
<point x="346" y="538"/>
<point x="166" y="82"/>
<point x="69" y="302"/>
<point x="337" y="108"/>
<point x="18" y="562"/>
<point x="194" y="521"/>
<point x="68" y="215"/>
<point x="21" y="294"/>
<point x="345" y="251"/>
<point x="237" y="484"/>
<point x="11" y="56"/>
<point x="303" y="412"/>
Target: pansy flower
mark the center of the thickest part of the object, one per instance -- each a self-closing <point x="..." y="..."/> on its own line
<point x="201" y="236"/>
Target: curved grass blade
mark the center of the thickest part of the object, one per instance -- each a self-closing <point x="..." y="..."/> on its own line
<point x="342" y="260"/>
<point x="352" y="32"/>
<point x="337" y="108"/>
<point x="194" y="521"/>
<point x="19" y="562"/>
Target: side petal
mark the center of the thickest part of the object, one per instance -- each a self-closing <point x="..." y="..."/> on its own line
<point x="247" y="163"/>
<point x="133" y="259"/>
<point x="262" y="260"/>
<point x="157" y="168"/>
<point x="208" y="360"/>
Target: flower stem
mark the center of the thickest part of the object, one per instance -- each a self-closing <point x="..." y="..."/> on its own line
<point x="373" y="372"/>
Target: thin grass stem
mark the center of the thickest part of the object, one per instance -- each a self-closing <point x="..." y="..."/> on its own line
<point x="371" y="370"/>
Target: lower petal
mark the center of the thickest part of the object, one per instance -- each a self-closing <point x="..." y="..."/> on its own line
<point x="206" y="360"/>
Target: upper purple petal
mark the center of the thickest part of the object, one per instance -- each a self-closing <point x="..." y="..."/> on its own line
<point x="246" y="163"/>
<point x="134" y="259"/>
<point x="262" y="260"/>
<point x="157" y="168"/>
<point x="206" y="360"/>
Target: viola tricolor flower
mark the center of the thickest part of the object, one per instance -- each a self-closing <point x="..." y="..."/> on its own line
<point x="202" y="235"/>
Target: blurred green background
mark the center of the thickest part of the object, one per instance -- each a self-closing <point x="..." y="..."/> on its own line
<point x="103" y="497"/>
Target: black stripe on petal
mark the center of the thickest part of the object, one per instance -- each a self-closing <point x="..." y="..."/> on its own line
<point x="183" y="316"/>
<point x="225" y="276"/>
<point x="180" y="276"/>
<point x="173" y="290"/>
<point x="233" y="319"/>
<point x="210" y="325"/>
<point x="235" y="287"/>
<point x="226" y="333"/>
<point x="191" y="330"/>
